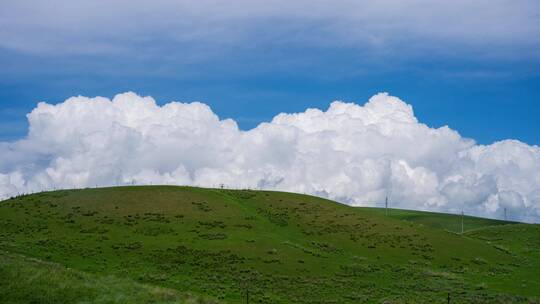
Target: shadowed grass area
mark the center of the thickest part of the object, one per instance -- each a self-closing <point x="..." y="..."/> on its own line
<point x="29" y="280"/>
<point x="281" y="247"/>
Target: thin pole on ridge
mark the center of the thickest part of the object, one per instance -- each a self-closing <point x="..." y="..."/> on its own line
<point x="462" y="216"/>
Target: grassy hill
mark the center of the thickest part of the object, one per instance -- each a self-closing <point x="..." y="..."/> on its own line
<point x="445" y="221"/>
<point x="166" y="244"/>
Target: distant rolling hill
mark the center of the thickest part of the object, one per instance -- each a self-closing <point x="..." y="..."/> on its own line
<point x="445" y="221"/>
<point x="168" y="244"/>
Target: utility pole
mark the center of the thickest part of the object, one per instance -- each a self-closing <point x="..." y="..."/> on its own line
<point x="386" y="205"/>
<point x="462" y="216"/>
<point x="505" y="214"/>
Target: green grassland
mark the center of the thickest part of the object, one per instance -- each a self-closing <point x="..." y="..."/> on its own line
<point x="29" y="280"/>
<point x="167" y="244"/>
<point x="448" y="222"/>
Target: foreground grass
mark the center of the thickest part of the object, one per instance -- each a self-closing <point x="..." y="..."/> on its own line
<point x="279" y="247"/>
<point x="29" y="280"/>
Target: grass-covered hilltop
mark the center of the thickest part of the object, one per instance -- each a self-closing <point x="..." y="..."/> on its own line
<point x="166" y="244"/>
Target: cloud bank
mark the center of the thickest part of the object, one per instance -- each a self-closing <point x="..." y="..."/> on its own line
<point x="482" y="28"/>
<point x="356" y="154"/>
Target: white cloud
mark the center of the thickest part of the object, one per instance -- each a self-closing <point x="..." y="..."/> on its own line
<point x="352" y="153"/>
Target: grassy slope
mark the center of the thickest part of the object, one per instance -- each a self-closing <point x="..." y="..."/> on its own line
<point x="445" y="221"/>
<point x="282" y="247"/>
<point x="29" y="280"/>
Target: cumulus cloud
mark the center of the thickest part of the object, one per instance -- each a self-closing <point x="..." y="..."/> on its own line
<point x="356" y="154"/>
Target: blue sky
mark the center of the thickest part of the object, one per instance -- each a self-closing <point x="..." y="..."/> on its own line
<point x="474" y="67"/>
